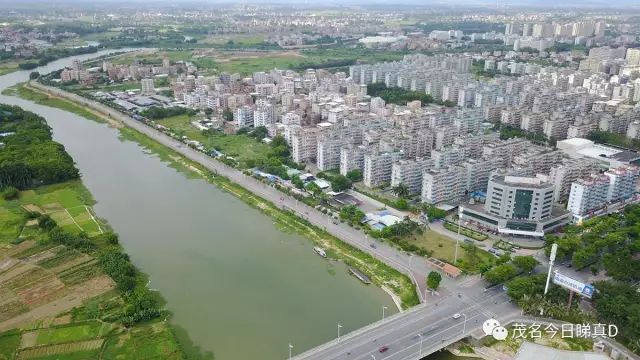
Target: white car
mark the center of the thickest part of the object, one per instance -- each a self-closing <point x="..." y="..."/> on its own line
<point x="456" y="316"/>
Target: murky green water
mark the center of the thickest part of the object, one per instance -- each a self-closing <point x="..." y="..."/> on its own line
<point x="238" y="285"/>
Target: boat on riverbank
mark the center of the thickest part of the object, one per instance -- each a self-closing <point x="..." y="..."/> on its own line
<point x="320" y="251"/>
<point x="360" y="275"/>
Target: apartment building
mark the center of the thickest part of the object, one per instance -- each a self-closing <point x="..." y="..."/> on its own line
<point x="243" y="117"/>
<point x="588" y="194"/>
<point x="304" y="144"/>
<point x="352" y="158"/>
<point x="409" y="173"/>
<point x="378" y="167"/>
<point x="443" y="185"/>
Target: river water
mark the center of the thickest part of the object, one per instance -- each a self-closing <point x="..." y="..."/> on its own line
<point x="239" y="286"/>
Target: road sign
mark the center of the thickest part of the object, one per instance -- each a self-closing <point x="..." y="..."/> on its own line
<point x="574" y="285"/>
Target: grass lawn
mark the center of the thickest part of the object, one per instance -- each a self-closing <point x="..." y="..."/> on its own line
<point x="444" y="248"/>
<point x="85" y="331"/>
<point x="241" y="147"/>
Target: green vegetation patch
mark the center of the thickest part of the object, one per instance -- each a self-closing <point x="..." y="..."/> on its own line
<point x="28" y="93"/>
<point x="242" y="147"/>
<point x="79" y="332"/>
<point x="470" y="257"/>
<point x="9" y="343"/>
<point x="148" y="341"/>
<point x="473" y="234"/>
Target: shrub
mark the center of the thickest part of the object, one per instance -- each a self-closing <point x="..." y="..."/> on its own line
<point x="10" y="193"/>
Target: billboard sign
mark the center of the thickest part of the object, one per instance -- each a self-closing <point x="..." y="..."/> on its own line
<point x="574" y="285"/>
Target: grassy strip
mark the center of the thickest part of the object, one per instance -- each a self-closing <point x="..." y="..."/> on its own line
<point x="465" y="231"/>
<point x="379" y="272"/>
<point x="28" y="93"/>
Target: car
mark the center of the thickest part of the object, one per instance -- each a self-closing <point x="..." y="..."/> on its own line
<point x="456" y="316"/>
<point x="373" y="245"/>
<point x="383" y="349"/>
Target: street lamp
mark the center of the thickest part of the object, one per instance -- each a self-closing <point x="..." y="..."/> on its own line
<point x="339" y="326"/>
<point x="383" y="309"/>
<point x="552" y="258"/>
<point x="290" y="347"/>
<point x="464" y="324"/>
<point x="420" y="344"/>
<point x="455" y="259"/>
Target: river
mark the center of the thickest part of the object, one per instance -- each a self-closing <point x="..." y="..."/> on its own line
<point x="239" y="286"/>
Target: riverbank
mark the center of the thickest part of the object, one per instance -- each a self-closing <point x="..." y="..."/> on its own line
<point x="380" y="273"/>
<point x="68" y="289"/>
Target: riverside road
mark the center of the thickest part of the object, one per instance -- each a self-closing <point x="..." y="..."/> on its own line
<point x="416" y="270"/>
<point x="432" y="323"/>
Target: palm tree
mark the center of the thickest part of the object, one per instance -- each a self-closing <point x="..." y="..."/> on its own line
<point x="401" y="191"/>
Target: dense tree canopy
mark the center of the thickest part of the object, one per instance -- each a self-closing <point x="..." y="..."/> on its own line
<point x="433" y="280"/>
<point x="608" y="242"/>
<point x="29" y="156"/>
<point x="156" y="112"/>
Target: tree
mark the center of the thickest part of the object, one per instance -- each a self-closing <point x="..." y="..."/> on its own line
<point x="34" y="75"/>
<point x="503" y="259"/>
<point x="227" y="114"/>
<point x="433" y="213"/>
<point x="354" y="175"/>
<point x="10" y="193"/>
<point x="523" y="286"/>
<point x="401" y="204"/>
<point x="259" y="132"/>
<point x="340" y="183"/>
<point x="313" y="188"/>
<point x="46" y="223"/>
<point x="295" y="180"/>
<point x="433" y="280"/>
<point x="401" y="191"/>
<point x="525" y="263"/>
<point x="501" y="273"/>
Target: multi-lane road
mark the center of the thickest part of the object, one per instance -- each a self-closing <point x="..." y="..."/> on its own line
<point x="421" y="331"/>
